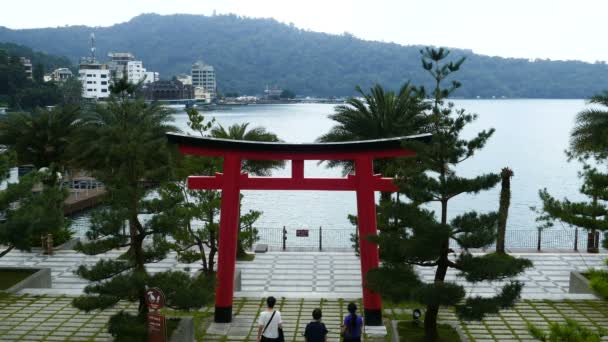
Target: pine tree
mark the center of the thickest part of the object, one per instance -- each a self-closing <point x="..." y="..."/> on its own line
<point x="412" y="235"/>
<point x="591" y="216"/>
<point x="503" y="208"/>
<point x="123" y="144"/>
<point x="28" y="215"/>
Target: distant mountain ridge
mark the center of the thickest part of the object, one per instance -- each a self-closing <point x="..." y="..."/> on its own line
<point x="249" y="54"/>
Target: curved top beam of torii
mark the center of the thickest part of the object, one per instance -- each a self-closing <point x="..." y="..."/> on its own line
<point x="378" y="148"/>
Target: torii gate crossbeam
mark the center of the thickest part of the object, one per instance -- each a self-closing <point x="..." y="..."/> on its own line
<point x="231" y="181"/>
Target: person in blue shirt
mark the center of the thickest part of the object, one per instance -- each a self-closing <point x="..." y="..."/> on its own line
<point x="316" y="331"/>
<point x="353" y="325"/>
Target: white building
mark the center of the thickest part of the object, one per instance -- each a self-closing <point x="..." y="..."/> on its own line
<point x="61" y="74"/>
<point x="135" y="71"/>
<point x="95" y="80"/>
<point x="118" y="63"/>
<point x="203" y="75"/>
<point x="151" y="76"/>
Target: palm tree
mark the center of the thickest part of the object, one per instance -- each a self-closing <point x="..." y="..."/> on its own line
<point x="240" y="132"/>
<point x="379" y="114"/>
<point x="590" y="134"/>
<point x="254" y="167"/>
<point x="40" y="138"/>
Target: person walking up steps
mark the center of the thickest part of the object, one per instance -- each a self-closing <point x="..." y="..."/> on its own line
<point x="316" y="331"/>
<point x="352" y="326"/>
<point x="270" y="325"/>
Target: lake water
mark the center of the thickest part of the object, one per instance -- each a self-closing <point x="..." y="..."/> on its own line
<point x="530" y="138"/>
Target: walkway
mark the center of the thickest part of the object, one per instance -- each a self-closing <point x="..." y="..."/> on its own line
<point x="331" y="275"/>
<point x="52" y="318"/>
<point x="315" y="274"/>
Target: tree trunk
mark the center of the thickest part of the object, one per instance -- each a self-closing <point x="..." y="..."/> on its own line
<point x="430" y="318"/>
<point x="430" y="323"/>
<point x="503" y="209"/>
<point x="212" y="253"/>
<point x="138" y="258"/>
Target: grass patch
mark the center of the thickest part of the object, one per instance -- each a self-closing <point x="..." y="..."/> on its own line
<point x="409" y="332"/>
<point x="8" y="278"/>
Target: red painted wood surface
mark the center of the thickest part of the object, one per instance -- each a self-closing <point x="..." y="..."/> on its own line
<point x="273" y="155"/>
<point x="366" y="218"/>
<point x="229" y="226"/>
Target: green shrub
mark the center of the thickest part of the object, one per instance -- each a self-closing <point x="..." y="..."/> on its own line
<point x="572" y="331"/>
<point x="598" y="281"/>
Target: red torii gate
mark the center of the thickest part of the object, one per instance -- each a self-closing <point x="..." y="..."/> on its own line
<point x="232" y="181"/>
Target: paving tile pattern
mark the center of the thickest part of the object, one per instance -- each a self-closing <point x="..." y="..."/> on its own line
<point x="325" y="275"/>
<point x="314" y="274"/>
<point x="52" y="318"/>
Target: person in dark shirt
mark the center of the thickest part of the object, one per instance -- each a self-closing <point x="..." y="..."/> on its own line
<point x="352" y="326"/>
<point x="316" y="330"/>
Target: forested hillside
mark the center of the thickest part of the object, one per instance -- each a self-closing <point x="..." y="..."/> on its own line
<point x="250" y="53"/>
<point x="49" y="62"/>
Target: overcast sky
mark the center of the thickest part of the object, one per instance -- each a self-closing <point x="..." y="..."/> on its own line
<point x="555" y="29"/>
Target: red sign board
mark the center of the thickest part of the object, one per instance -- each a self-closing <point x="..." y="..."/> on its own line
<point x="302" y="233"/>
<point x="157" y="327"/>
<point x="155" y="298"/>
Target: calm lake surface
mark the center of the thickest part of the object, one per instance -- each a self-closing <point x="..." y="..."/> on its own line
<point x="530" y="138"/>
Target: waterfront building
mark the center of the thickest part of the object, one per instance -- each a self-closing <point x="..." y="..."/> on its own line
<point x="201" y="94"/>
<point x="168" y="90"/>
<point x="203" y="75"/>
<point x="95" y="78"/>
<point x="27" y="65"/>
<point x="272" y="92"/>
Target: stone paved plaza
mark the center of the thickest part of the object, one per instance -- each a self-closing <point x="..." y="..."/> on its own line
<point x="301" y="281"/>
<point x="52" y="318"/>
<point x="316" y="274"/>
<point x="326" y="275"/>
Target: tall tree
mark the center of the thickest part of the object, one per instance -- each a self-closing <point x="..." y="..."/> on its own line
<point x="415" y="236"/>
<point x="503" y="208"/>
<point x="591" y="216"/>
<point x="123" y="144"/>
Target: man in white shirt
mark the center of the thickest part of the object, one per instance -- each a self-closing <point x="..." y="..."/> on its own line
<point x="269" y="322"/>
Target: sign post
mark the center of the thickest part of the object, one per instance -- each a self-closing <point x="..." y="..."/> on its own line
<point x="157" y="327"/>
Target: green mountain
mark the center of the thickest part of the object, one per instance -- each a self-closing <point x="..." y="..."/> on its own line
<point x="50" y="62"/>
<point x="250" y="53"/>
